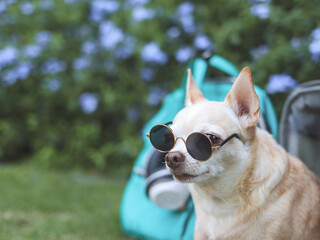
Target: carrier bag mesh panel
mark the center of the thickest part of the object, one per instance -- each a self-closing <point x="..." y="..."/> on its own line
<point x="300" y="125"/>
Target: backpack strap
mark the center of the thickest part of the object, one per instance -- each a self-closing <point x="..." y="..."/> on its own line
<point x="224" y="65"/>
<point x="199" y="67"/>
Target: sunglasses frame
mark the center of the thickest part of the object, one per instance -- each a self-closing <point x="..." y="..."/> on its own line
<point x="213" y="148"/>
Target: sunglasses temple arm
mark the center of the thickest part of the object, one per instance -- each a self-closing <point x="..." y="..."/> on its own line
<point x="229" y="138"/>
<point x="168" y="123"/>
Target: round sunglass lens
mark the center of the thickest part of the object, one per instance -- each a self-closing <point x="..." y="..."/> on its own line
<point x="162" y="138"/>
<point x="199" y="146"/>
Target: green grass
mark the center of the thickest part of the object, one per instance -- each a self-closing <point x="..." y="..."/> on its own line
<point x="44" y="204"/>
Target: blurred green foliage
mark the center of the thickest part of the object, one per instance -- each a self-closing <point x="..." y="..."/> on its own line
<point x="78" y="78"/>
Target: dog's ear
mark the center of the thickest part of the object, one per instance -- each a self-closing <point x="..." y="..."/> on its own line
<point x="243" y="99"/>
<point x="193" y="93"/>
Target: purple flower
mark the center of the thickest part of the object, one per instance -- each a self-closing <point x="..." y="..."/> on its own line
<point x="26" y="8"/>
<point x="9" y="77"/>
<point x="202" y="42"/>
<point x="123" y="52"/>
<point x="135" y="3"/>
<point x="314" y="49"/>
<point x="110" y="35"/>
<point x="316" y="33"/>
<point x="147" y="74"/>
<point x="141" y="14"/>
<point x="81" y="63"/>
<point x="259" y="51"/>
<point x="89" y="102"/>
<point x="7" y="56"/>
<point x="54" y="85"/>
<point x="21" y="72"/>
<point x="185" y="11"/>
<point x="314" y="46"/>
<point x="156" y="95"/>
<point x="46" y="4"/>
<point x="173" y="32"/>
<point x="126" y="50"/>
<point x="133" y="114"/>
<point x="187" y="23"/>
<point x="32" y="50"/>
<point x="280" y="83"/>
<point x="260" y="10"/>
<point x="101" y="7"/>
<point x="4" y="4"/>
<point x="151" y="52"/>
<point x="9" y="2"/>
<point x="3" y="7"/>
<point x="295" y="43"/>
<point x="184" y="53"/>
<point x="89" y="47"/>
<point x="43" y="37"/>
<point x="185" y="8"/>
<point x="53" y="66"/>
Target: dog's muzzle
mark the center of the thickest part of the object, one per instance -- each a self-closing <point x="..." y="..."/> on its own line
<point x="174" y="159"/>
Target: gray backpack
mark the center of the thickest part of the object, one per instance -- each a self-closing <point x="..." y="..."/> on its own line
<point x="300" y="124"/>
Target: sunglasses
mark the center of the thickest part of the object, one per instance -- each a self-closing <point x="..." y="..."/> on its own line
<point x="199" y="145"/>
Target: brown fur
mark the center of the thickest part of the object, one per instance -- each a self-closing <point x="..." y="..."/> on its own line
<point x="297" y="197"/>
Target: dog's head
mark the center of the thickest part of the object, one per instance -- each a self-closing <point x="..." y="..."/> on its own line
<point x="238" y="114"/>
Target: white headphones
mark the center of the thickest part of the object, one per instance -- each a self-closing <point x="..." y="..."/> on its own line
<point x="160" y="186"/>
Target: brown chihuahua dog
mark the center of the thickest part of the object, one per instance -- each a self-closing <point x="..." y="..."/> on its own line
<point x="243" y="184"/>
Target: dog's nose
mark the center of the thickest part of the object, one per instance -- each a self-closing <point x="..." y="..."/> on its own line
<point x="174" y="159"/>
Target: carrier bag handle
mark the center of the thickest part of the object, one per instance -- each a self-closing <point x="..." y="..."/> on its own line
<point x="199" y="67"/>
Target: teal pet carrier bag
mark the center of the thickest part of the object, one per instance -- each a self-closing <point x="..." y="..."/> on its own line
<point x="140" y="217"/>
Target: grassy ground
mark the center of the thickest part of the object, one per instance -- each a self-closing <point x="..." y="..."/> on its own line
<point x="43" y="204"/>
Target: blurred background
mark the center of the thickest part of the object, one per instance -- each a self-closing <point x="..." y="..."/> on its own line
<point x="80" y="78"/>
